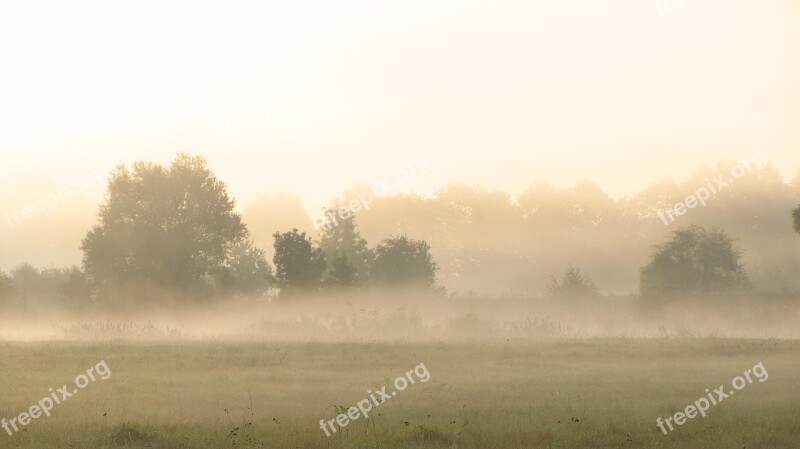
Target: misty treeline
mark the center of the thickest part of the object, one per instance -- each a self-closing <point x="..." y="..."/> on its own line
<point x="173" y="233"/>
<point x="491" y="242"/>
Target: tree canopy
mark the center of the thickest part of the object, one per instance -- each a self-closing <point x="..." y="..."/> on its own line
<point x="173" y="228"/>
<point x="343" y="245"/>
<point x="573" y="285"/>
<point x="695" y="260"/>
<point x="404" y="262"/>
<point x="6" y="286"/>
<point x="299" y="263"/>
<point x="796" y="215"/>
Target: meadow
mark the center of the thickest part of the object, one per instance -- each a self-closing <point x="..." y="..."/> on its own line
<point x="516" y="393"/>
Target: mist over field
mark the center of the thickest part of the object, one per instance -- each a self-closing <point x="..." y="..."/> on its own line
<point x="497" y="260"/>
<point x="546" y="224"/>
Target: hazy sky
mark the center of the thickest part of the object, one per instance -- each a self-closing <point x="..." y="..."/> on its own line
<point x="309" y="97"/>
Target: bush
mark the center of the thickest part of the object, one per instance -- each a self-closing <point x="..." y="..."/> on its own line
<point x="6" y="286"/>
<point x="695" y="261"/>
<point x="403" y="262"/>
<point x="573" y="285"/>
<point x="299" y="263"/>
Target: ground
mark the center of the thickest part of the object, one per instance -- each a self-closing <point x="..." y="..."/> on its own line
<point x="561" y="393"/>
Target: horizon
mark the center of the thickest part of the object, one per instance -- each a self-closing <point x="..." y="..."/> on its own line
<point x="518" y="224"/>
<point x="619" y="93"/>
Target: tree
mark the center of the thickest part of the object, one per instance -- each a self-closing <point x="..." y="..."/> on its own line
<point x="341" y="273"/>
<point x="340" y="238"/>
<point x="173" y="228"/>
<point x="75" y="290"/>
<point x="247" y="270"/>
<point x="49" y="286"/>
<point x="33" y="286"/>
<point x="694" y="261"/>
<point x="404" y="262"/>
<point x="6" y="286"/>
<point x="573" y="285"/>
<point x="796" y="215"/>
<point x="269" y="213"/>
<point x="299" y="264"/>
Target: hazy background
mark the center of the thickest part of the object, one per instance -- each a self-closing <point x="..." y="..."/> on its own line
<point x="310" y="97"/>
<point x="526" y="148"/>
<point x="580" y="109"/>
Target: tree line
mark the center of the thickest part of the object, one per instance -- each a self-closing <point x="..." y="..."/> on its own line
<point x="173" y="231"/>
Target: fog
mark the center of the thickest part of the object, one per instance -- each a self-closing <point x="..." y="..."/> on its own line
<point x="419" y="224"/>
<point x="373" y="318"/>
<point x="489" y="241"/>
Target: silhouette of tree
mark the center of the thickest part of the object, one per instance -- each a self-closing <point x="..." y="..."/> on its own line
<point x="404" y="262"/>
<point x="46" y="287"/>
<point x="268" y="214"/>
<point x="573" y="285"/>
<point x="299" y="264"/>
<point x="173" y="228"/>
<point x="6" y="286"/>
<point x="247" y="270"/>
<point x="341" y="273"/>
<point x="76" y="289"/>
<point x="342" y="239"/>
<point x="796" y="215"/>
<point x="694" y="261"/>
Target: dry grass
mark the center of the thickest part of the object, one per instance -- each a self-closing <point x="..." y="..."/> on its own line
<point x="518" y="394"/>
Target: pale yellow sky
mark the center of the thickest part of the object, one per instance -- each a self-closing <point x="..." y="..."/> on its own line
<point x="310" y="97"/>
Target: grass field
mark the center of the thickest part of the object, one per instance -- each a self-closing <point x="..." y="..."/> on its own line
<point x="593" y="393"/>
